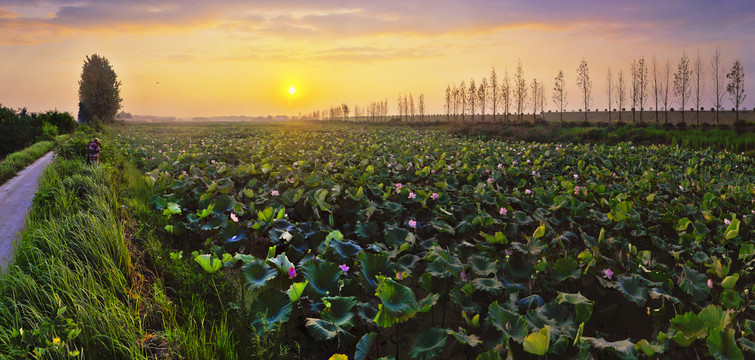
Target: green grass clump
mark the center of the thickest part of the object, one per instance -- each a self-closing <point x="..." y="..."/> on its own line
<point x="17" y="161"/>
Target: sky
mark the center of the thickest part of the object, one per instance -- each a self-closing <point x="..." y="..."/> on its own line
<point x="231" y="57"/>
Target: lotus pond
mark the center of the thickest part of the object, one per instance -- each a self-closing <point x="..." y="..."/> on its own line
<point x="398" y="243"/>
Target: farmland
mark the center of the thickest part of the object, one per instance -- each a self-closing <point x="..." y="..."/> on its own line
<point x="405" y="243"/>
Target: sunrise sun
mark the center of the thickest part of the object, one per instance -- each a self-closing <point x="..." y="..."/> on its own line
<point x="291" y="90"/>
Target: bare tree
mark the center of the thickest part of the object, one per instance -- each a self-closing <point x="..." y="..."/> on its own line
<point x="642" y="84"/>
<point x="400" y="104"/>
<point x="559" y="93"/>
<point x="520" y="90"/>
<point x="494" y="93"/>
<point x="472" y="97"/>
<point x="411" y="105"/>
<point x="666" y="88"/>
<point x="421" y="107"/>
<point x="656" y="88"/>
<point x="482" y="96"/>
<point x="535" y="98"/>
<point x="406" y="108"/>
<point x="681" y="82"/>
<point x="463" y="98"/>
<point x="457" y="101"/>
<point x="635" y="90"/>
<point x="736" y="86"/>
<point x="718" y="87"/>
<point x="621" y="91"/>
<point x="506" y="94"/>
<point x="542" y="96"/>
<point x="609" y="92"/>
<point x="698" y="82"/>
<point x="585" y="84"/>
<point x="448" y="102"/>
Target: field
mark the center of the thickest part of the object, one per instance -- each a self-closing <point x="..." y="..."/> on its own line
<point x="418" y="244"/>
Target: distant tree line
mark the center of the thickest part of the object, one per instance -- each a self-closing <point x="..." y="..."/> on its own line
<point x="508" y="98"/>
<point x="20" y="128"/>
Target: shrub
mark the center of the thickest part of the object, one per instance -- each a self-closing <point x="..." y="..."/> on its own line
<point x="681" y="125"/>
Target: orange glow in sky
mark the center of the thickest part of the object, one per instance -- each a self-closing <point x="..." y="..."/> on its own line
<point x="282" y="57"/>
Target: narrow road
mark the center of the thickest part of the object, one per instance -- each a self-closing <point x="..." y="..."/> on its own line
<point x="15" y="200"/>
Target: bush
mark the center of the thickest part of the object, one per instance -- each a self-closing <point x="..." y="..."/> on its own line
<point x="49" y="132"/>
<point x="681" y="125"/>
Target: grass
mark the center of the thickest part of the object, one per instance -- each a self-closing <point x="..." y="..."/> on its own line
<point x="17" y="161"/>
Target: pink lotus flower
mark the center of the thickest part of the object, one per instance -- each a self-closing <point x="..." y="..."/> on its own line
<point x="399" y="275"/>
<point x="212" y="161"/>
<point x="412" y="195"/>
<point x="463" y="275"/>
<point x="514" y="162"/>
<point x="345" y="269"/>
<point x="681" y="187"/>
<point x="528" y="191"/>
<point x="234" y="217"/>
<point x="435" y="196"/>
<point x="292" y="273"/>
<point x="508" y="252"/>
<point x="399" y="186"/>
<point x="710" y="283"/>
<point x="576" y="190"/>
<point x="727" y="222"/>
<point x="413" y="224"/>
<point x="503" y="211"/>
<point x="576" y="177"/>
<point x="296" y="163"/>
<point x="534" y="172"/>
<point x="490" y="179"/>
<point x="607" y="273"/>
<point x="500" y="166"/>
<point x="274" y="193"/>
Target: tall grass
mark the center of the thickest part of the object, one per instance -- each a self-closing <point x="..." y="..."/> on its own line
<point x="66" y="292"/>
<point x="17" y="161"/>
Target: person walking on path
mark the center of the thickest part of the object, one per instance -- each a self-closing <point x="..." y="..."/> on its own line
<point x="94" y="151"/>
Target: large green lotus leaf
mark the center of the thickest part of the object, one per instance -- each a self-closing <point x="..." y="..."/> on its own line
<point x="483" y="265"/>
<point x="322" y="276"/>
<point x="464" y="338"/>
<point x="209" y="263"/>
<point x="722" y="346"/>
<point x="321" y="330"/>
<point x="582" y="304"/>
<point x="172" y="208"/>
<point x="231" y="232"/>
<point x="632" y="287"/>
<point x="396" y="236"/>
<point x="537" y="343"/>
<point x="344" y="250"/>
<point x="374" y="265"/>
<point x="730" y="281"/>
<point x="296" y="290"/>
<point x="339" y="311"/>
<point x="465" y="303"/>
<point x="732" y="230"/>
<point x="428" y="302"/>
<point x="442" y="264"/>
<point x="715" y="317"/>
<point x="270" y="309"/>
<point x="407" y="262"/>
<point x="364" y="345"/>
<point x="257" y="274"/>
<point x="624" y="347"/>
<point x="566" y="268"/>
<point x="689" y="327"/>
<point x="223" y="203"/>
<point x="649" y="349"/>
<point x="281" y="262"/>
<point x="489" y="285"/>
<point x="507" y="322"/>
<point x="398" y="303"/>
<point x="429" y="343"/>
<point x="694" y="283"/>
<point x="730" y="299"/>
<point x="522" y="218"/>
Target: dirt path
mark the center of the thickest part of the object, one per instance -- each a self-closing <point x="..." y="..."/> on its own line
<point x="15" y="200"/>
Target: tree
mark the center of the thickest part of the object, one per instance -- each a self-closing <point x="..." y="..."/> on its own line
<point x="463" y="98"/>
<point x="642" y="84"/>
<point x="448" y="102"/>
<point x="585" y="84"/>
<point x="482" y="95"/>
<point x="99" y="91"/>
<point x="609" y="92"/>
<point x="681" y="82"/>
<point x="665" y="88"/>
<point x="656" y="88"/>
<point x="635" y="90"/>
<point x="406" y="108"/>
<point x="736" y="86"/>
<point x="520" y="90"/>
<point x="698" y="82"/>
<point x="472" y="97"/>
<point x="541" y="95"/>
<point x="456" y="102"/>
<point x="621" y="91"/>
<point x="421" y="107"/>
<point x="559" y="93"/>
<point x="506" y="94"/>
<point x="400" y="104"/>
<point x="717" y="77"/>
<point x="535" y="98"/>
<point x="494" y="92"/>
<point x="411" y="105"/>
